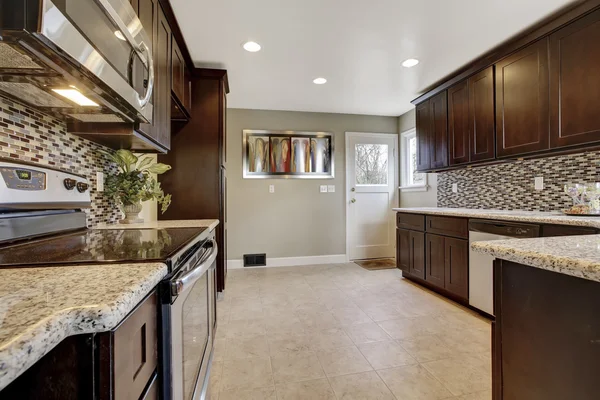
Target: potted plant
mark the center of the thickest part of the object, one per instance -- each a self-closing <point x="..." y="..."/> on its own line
<point x="134" y="184"/>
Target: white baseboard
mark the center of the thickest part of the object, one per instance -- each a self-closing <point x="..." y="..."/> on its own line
<point x="294" y="261"/>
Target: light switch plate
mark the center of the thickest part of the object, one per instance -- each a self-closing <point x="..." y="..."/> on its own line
<point x="539" y="183"/>
<point x="100" y="181"/>
<point x="331" y="188"/>
<point x="323" y="188"/>
<point x="455" y="188"/>
<point x="271" y="188"/>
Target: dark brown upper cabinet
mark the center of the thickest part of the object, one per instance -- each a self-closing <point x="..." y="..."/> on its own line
<point x="432" y="133"/>
<point x="155" y="23"/>
<point x="522" y="101"/>
<point x="575" y="83"/>
<point x="423" y="133"/>
<point x="481" y="116"/>
<point x="180" y="85"/>
<point x="439" y="131"/>
<point x="458" y="124"/>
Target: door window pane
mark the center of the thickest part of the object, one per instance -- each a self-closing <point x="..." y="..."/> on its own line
<point x="371" y="164"/>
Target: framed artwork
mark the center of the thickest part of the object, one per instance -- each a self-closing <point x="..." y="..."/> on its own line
<point x="287" y="154"/>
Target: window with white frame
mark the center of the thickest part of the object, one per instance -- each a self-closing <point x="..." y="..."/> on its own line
<point x="411" y="179"/>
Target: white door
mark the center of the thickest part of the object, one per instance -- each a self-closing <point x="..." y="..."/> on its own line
<point x="371" y="193"/>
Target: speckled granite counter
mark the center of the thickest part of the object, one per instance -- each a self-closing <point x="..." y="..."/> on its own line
<point x="186" y="223"/>
<point x="39" y="307"/>
<point x="507" y="215"/>
<point x="572" y="255"/>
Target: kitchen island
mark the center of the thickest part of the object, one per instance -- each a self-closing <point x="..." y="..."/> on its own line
<point x="42" y="306"/>
<point x="546" y="337"/>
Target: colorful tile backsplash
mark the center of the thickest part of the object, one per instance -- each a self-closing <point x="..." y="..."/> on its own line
<point x="28" y="135"/>
<point x="510" y="186"/>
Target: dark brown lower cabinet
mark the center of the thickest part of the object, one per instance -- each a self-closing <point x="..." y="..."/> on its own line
<point x="435" y="260"/>
<point x="403" y="249"/>
<point x="116" y="365"/>
<point x="447" y="264"/>
<point x="417" y="254"/>
<point x="457" y="266"/>
<point x="410" y="252"/>
<point x="546" y="335"/>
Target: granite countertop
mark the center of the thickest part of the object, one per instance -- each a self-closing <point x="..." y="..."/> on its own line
<point x="211" y="224"/>
<point x="507" y="215"/>
<point x="577" y="256"/>
<point x="39" y="307"/>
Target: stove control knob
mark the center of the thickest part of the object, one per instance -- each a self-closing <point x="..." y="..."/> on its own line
<point x="70" y="183"/>
<point x="82" y="187"/>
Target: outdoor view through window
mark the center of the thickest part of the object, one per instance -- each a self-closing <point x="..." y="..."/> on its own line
<point x="371" y="164"/>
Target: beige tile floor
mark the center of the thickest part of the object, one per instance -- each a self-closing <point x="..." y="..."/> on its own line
<point x="341" y="332"/>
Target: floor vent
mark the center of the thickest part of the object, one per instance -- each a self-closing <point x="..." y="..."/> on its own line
<point x="255" y="260"/>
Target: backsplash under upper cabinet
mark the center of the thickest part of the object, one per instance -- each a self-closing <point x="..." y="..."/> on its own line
<point x="511" y="186"/>
<point x="28" y="135"/>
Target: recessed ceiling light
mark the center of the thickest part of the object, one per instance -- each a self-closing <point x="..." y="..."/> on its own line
<point x="320" y="81"/>
<point x="411" y="62"/>
<point x="252" y="47"/>
<point x="119" y="35"/>
<point x="77" y="97"/>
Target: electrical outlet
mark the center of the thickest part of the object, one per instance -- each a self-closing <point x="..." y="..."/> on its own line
<point x="271" y="188"/>
<point x="331" y="188"/>
<point x="455" y="188"/>
<point x="323" y="189"/>
<point x="539" y="183"/>
<point x="100" y="181"/>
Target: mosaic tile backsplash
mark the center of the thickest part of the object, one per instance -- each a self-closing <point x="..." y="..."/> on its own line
<point x="511" y="186"/>
<point x="29" y="135"/>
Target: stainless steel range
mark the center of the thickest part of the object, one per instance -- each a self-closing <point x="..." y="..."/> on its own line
<point x="42" y="224"/>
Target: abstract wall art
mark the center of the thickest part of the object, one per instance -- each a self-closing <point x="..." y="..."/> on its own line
<point x="288" y="154"/>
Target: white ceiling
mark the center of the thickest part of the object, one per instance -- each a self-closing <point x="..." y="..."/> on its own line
<point x="358" y="45"/>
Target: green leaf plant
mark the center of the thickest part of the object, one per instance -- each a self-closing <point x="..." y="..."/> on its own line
<point x="134" y="182"/>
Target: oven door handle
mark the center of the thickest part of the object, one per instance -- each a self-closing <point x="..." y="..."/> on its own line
<point x="181" y="284"/>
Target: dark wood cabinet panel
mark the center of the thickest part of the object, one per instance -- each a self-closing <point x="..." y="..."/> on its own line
<point x="157" y="28"/>
<point x="522" y="101"/>
<point x="438" y="136"/>
<point x="458" y="124"/>
<point x="177" y="71"/>
<point x="448" y="226"/>
<point x="162" y="83"/>
<point x="435" y="260"/>
<point x="135" y="350"/>
<point x="482" y="116"/>
<point x="403" y="246"/>
<point x="423" y="125"/>
<point x="575" y="83"/>
<point x="414" y="222"/>
<point x="457" y="266"/>
<point x="417" y="254"/>
<point x="546" y="335"/>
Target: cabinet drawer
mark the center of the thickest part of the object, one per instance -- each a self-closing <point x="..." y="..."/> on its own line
<point x="448" y="226"/>
<point x="135" y="344"/>
<point x="415" y="222"/>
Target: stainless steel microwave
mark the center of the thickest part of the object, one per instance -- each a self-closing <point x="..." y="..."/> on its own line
<point x="87" y="60"/>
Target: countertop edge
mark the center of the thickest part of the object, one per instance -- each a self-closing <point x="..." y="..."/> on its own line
<point x="577" y="267"/>
<point x="25" y="349"/>
<point x="480" y="214"/>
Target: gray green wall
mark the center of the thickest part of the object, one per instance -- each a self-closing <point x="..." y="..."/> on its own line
<point x="416" y="199"/>
<point x="296" y="220"/>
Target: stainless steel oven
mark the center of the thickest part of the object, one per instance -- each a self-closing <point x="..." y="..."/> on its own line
<point x="189" y="321"/>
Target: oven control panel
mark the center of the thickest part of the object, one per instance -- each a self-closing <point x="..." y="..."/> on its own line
<point x="23" y="179"/>
<point x="24" y="186"/>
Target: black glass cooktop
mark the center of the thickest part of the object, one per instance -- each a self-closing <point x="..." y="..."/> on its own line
<point x="100" y="246"/>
